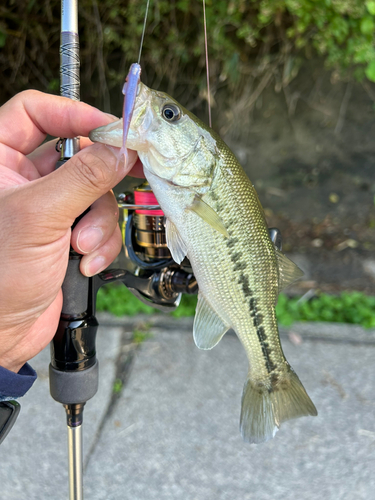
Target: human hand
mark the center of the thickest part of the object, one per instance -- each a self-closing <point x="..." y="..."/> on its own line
<point x="38" y="206"/>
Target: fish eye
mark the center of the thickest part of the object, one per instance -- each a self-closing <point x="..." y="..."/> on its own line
<point x="171" y="112"/>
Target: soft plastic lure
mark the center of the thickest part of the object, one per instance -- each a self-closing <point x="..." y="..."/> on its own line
<point x="130" y="93"/>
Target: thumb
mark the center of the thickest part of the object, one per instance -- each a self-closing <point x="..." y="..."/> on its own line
<point x="84" y="178"/>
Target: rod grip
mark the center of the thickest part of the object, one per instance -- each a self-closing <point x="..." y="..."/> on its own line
<point x="75" y="289"/>
<point x="73" y="387"/>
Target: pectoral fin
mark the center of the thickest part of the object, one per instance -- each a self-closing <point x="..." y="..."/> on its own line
<point x="175" y="243"/>
<point x="289" y="272"/>
<point x="208" y="328"/>
<point x="208" y="214"/>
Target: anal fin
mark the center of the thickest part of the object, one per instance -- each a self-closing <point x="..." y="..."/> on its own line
<point x="208" y="327"/>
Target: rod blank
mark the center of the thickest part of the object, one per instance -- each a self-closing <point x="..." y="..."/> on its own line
<point x="75" y="462"/>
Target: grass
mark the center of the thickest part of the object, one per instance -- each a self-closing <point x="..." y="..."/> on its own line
<point x="354" y="307"/>
<point x="118" y="300"/>
<point x="141" y="335"/>
<point x="117" y="386"/>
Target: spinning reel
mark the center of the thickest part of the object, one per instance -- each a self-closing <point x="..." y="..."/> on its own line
<point x="161" y="281"/>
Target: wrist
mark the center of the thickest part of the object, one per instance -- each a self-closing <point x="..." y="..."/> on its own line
<point x="12" y="367"/>
<point x="10" y="364"/>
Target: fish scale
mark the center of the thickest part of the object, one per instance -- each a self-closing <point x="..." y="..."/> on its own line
<point x="214" y="217"/>
<point x="247" y="267"/>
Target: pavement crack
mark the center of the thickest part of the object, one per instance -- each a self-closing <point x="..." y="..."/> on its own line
<point x="124" y="364"/>
<point x="329" y="380"/>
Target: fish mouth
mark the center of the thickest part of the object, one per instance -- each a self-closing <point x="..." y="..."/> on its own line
<point x="110" y="134"/>
<point x="141" y="123"/>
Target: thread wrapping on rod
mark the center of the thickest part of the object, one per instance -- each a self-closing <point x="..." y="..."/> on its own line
<point x="70" y="65"/>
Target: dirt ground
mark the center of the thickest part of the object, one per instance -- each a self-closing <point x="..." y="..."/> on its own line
<point x="310" y="152"/>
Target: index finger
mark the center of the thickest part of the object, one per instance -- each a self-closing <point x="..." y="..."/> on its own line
<point x="28" y="117"/>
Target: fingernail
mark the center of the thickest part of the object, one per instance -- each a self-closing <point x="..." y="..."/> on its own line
<point x="114" y="118"/>
<point x="95" y="265"/>
<point x="89" y="238"/>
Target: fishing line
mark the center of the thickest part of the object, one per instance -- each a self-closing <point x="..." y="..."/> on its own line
<point x="143" y="32"/>
<point x="207" y="69"/>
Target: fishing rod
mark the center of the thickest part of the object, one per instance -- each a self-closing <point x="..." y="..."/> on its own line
<point x="73" y="371"/>
<point x="157" y="280"/>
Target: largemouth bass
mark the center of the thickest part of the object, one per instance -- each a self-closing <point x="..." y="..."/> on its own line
<point x="214" y="217"/>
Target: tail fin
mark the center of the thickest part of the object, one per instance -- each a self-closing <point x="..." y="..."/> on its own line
<point x="265" y="404"/>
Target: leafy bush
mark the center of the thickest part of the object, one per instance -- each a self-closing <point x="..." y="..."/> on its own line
<point x="341" y="30"/>
<point x="259" y="39"/>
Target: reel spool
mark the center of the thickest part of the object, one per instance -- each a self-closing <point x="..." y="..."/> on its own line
<point x="149" y="226"/>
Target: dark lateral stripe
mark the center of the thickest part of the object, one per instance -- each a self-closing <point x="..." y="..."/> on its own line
<point x="244" y="281"/>
<point x="236" y="256"/>
<point x="262" y="336"/>
<point x="231" y="242"/>
<point x="239" y="266"/>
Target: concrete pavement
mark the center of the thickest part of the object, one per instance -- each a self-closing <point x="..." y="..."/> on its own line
<point x="172" y="431"/>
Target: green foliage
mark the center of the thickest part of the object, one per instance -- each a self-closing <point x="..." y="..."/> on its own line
<point x="118" y="300"/>
<point x="140" y="336"/>
<point x="340" y="30"/>
<point x="187" y="306"/>
<point x="354" y="307"/>
<point x="245" y="38"/>
<point x="3" y="36"/>
<point x="117" y="386"/>
<point x="370" y="5"/>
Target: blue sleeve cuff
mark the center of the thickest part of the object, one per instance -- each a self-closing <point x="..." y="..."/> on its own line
<point x="15" y="385"/>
